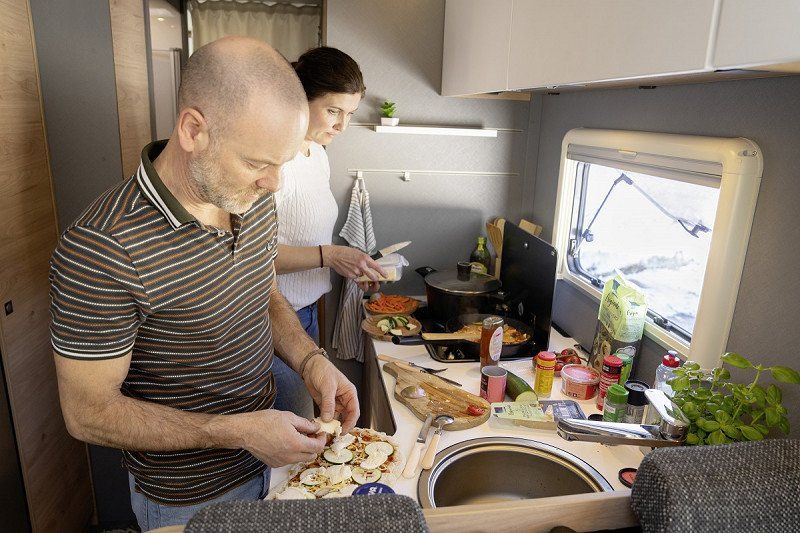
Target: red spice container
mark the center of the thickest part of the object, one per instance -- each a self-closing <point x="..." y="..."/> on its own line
<point x="612" y="368"/>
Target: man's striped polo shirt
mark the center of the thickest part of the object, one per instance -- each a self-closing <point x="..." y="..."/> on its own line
<point x="136" y="272"/>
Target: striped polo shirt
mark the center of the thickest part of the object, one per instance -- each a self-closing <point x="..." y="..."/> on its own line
<point x="136" y="272"/>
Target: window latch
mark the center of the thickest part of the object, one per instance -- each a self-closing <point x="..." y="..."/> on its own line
<point x="661" y="322"/>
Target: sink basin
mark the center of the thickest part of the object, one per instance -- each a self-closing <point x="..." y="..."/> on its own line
<point x="498" y="469"/>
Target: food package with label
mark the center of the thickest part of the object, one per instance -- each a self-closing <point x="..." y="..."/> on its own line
<point x="620" y="321"/>
<point x="524" y="414"/>
<point x="392" y="264"/>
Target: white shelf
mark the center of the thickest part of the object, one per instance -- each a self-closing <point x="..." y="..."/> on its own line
<point x="438" y="130"/>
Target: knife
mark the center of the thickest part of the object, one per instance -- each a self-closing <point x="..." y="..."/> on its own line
<point x="390" y="250"/>
<point x="413" y="458"/>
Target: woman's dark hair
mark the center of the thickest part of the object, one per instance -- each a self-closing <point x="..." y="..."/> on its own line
<point x="326" y="70"/>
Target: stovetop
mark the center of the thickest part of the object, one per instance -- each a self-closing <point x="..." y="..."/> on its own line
<point x="448" y="354"/>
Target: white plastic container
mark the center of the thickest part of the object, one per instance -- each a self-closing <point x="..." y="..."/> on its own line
<point x="666" y="371"/>
<point x="393" y="265"/>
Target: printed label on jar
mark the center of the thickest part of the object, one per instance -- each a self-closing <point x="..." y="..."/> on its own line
<point x="496" y="344"/>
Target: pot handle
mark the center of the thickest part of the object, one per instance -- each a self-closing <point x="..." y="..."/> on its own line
<point x="424" y="271"/>
<point x="407" y="341"/>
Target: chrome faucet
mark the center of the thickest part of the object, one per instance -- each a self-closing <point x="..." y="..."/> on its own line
<point x="669" y="431"/>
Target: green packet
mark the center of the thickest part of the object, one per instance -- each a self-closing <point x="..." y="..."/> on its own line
<point x="523" y="414"/>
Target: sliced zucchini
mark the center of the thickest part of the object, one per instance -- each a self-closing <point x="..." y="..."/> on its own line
<point x="312" y="476"/>
<point x="527" y="397"/>
<point x="379" y="448"/>
<point x="383" y="322"/>
<point x="401" y="320"/>
<point x="410" y="326"/>
<point x="373" y="461"/>
<point x="384" y="329"/>
<point x="396" y="331"/>
<point x="362" y="476"/>
<point x="345" y="456"/>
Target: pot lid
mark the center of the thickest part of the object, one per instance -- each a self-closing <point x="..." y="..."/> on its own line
<point x="450" y="281"/>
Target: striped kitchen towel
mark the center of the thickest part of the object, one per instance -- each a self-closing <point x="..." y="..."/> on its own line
<point x="348" y="339"/>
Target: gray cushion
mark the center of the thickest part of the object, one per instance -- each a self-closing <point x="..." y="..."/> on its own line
<point x="391" y="513"/>
<point x="748" y="486"/>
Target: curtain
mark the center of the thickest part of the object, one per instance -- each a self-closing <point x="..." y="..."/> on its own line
<point x="291" y="30"/>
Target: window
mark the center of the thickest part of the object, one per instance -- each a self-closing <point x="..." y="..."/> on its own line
<point x="672" y="213"/>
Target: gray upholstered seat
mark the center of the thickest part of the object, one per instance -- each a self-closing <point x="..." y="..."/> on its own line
<point x="390" y="513"/>
<point x="750" y="486"/>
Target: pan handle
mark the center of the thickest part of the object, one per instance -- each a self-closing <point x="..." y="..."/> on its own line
<point x="407" y="341"/>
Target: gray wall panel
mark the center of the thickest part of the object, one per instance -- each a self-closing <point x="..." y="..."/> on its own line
<point x="399" y="48"/>
<point x="766" y="111"/>
<point x="76" y="66"/>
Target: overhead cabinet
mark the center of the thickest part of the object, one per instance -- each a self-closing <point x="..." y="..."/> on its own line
<point x="758" y="35"/>
<point x="574" y="42"/>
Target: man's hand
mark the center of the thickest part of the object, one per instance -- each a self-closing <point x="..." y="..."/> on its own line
<point x="352" y="263"/>
<point x="279" y="438"/>
<point x="332" y="391"/>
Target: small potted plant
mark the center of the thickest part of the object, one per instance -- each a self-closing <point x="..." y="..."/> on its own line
<point x="720" y="410"/>
<point x="388" y="109"/>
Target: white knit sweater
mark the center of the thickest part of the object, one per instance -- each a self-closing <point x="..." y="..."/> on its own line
<point x="307" y="213"/>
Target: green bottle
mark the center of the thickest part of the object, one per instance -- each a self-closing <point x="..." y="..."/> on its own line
<point x="480" y="257"/>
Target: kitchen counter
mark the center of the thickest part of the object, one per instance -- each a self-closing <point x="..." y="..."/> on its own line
<point x="608" y="460"/>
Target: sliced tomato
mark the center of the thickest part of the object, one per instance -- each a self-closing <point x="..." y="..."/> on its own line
<point x="475" y="410"/>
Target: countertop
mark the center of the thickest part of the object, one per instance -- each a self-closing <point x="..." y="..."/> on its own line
<point x="607" y="460"/>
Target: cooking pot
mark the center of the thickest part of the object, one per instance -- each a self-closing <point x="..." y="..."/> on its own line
<point x="452" y="293"/>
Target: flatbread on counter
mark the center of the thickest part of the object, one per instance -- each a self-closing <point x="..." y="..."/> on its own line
<point x="352" y="459"/>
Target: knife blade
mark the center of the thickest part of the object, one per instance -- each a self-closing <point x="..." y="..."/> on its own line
<point x="423" y="433"/>
<point x="390" y="250"/>
<point x="448" y="380"/>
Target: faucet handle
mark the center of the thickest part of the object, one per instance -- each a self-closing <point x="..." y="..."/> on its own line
<point x="674" y="425"/>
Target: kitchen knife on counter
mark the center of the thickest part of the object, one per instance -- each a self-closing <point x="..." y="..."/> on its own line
<point x="390" y="250"/>
<point x="413" y="458"/>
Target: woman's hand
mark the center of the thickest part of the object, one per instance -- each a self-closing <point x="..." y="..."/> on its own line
<point x="352" y="263"/>
<point x="332" y="392"/>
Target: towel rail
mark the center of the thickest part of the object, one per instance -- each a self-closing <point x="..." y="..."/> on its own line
<point x="405" y="174"/>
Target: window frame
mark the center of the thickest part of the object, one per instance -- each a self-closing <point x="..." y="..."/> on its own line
<point x="735" y="163"/>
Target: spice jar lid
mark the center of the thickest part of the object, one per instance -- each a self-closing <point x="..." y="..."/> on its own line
<point x="612" y="360"/>
<point x="616" y="393"/>
<point x="580" y="374"/>
<point x="636" y="392"/>
<point x="546" y="356"/>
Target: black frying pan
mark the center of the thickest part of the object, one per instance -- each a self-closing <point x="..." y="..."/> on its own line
<point x="472" y="348"/>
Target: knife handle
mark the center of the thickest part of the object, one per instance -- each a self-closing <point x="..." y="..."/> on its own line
<point x="427" y="461"/>
<point x="413" y="459"/>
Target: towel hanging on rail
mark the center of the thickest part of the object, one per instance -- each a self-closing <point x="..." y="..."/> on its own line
<point x="348" y="340"/>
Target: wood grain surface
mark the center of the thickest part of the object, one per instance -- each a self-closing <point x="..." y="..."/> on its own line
<point x="370" y="327"/>
<point x="54" y="465"/>
<point x="441" y="397"/>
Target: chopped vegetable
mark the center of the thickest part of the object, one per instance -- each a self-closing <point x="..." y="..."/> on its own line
<point x="475" y="410"/>
<point x="362" y="476"/>
<point x="345" y="456"/>
<point x="392" y="303"/>
<point x="379" y="448"/>
<point x="516" y="386"/>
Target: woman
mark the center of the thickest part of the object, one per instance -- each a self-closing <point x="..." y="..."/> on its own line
<point x="307" y="210"/>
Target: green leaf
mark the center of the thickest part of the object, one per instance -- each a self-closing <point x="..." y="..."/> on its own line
<point x="722" y="417"/>
<point x="751" y="433"/>
<point x="784" y="425"/>
<point x="692" y="439"/>
<point x="717" y="437"/>
<point x="771" y="416"/>
<point x="709" y="425"/>
<point x="721" y="373"/>
<point x="785" y="374"/>
<point x="702" y="434"/>
<point x="702" y="394"/>
<point x="762" y="428"/>
<point x="691" y="365"/>
<point x="734" y="359"/>
<point x="732" y="431"/>
<point x="712" y="407"/>
<point x="679" y="384"/>
<point x="773" y="394"/>
<point x="781" y="409"/>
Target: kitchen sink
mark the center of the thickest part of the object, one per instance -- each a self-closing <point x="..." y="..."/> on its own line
<point x="496" y="469"/>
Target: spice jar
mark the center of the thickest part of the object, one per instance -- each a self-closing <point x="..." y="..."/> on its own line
<point x="491" y="340"/>
<point x="612" y="368"/>
<point x="615" y="403"/>
<point x="545" y="370"/>
<point x="637" y="401"/>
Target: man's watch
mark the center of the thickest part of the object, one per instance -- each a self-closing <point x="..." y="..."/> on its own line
<point x="307" y="358"/>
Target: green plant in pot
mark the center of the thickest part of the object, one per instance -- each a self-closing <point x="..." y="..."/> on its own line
<point x="721" y="411"/>
<point x="388" y="110"/>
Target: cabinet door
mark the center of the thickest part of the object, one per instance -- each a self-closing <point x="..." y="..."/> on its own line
<point x="475" y="53"/>
<point x="755" y="33"/>
<point x="575" y="41"/>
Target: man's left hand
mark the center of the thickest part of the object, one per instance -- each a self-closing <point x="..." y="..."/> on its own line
<point x="335" y="395"/>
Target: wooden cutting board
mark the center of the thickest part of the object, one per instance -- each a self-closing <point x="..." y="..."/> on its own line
<point x="442" y="398"/>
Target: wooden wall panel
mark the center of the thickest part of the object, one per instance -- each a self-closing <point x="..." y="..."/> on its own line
<point x="54" y="465"/>
<point x="130" y="65"/>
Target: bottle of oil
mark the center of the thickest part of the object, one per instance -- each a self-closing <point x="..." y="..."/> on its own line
<point x="480" y="258"/>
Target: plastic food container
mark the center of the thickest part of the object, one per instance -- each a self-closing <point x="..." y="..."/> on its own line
<point x="579" y="382"/>
<point x="393" y="265"/>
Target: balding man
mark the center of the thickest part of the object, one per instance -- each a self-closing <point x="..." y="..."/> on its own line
<point x="165" y="314"/>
